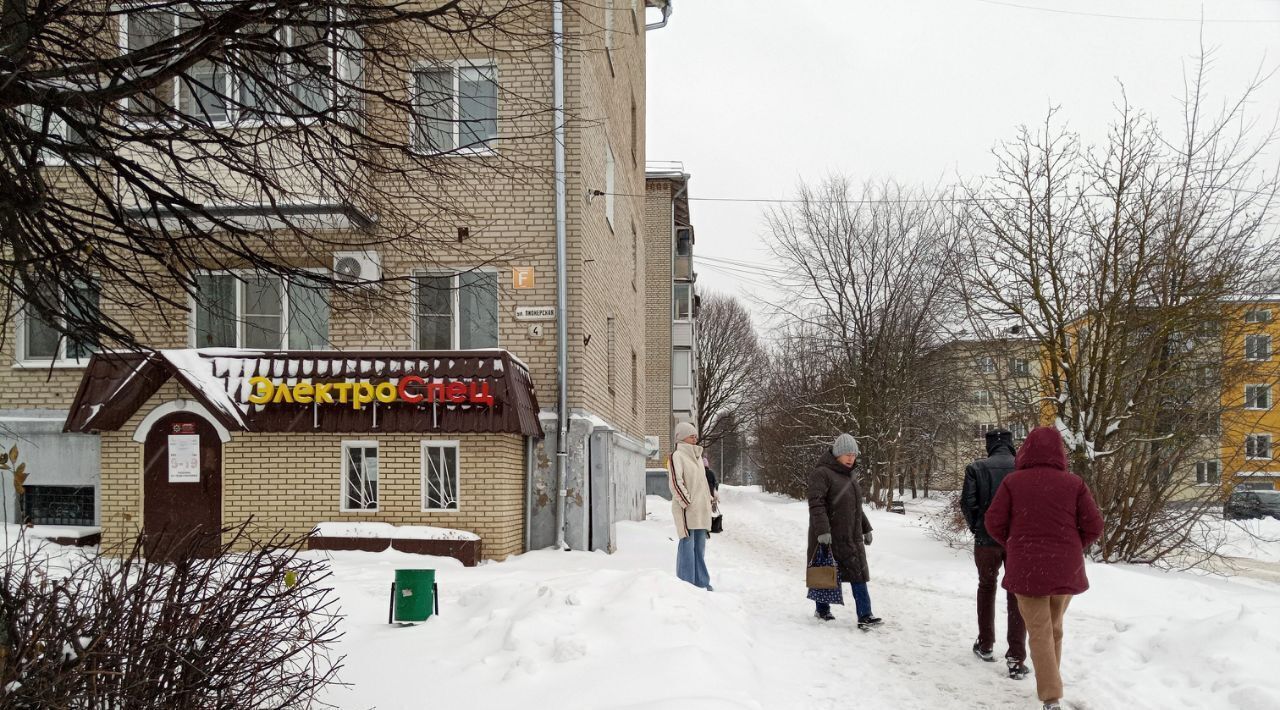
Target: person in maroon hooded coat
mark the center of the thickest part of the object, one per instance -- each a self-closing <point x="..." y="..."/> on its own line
<point x="1044" y="516"/>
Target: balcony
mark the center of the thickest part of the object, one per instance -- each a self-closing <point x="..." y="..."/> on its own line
<point x="683" y="268"/>
<point x="684" y="254"/>
<point x="682" y="334"/>
<point x="682" y="399"/>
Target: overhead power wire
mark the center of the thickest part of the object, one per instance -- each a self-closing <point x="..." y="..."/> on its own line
<point x="914" y="200"/>
<point x="736" y="263"/>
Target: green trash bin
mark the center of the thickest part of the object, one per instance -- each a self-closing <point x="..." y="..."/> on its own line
<point x="413" y="596"/>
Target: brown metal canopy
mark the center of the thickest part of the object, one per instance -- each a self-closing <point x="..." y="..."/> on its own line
<point x="116" y="385"/>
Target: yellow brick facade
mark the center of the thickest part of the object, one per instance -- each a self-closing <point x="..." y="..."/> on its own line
<point x="290" y="482"/>
<point x="1239" y="419"/>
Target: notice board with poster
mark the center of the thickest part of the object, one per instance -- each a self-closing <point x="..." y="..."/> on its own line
<point x="184" y="458"/>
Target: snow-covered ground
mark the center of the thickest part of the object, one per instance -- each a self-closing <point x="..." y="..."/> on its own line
<point x="589" y="630"/>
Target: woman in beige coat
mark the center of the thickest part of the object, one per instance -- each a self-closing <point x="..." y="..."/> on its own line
<point x="690" y="506"/>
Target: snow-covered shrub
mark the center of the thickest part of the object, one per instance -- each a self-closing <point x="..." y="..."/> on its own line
<point x="946" y="524"/>
<point x="249" y="628"/>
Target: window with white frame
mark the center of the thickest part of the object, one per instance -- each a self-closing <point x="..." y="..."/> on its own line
<point x="1019" y="430"/>
<point x="1257" y="347"/>
<point x="455" y="108"/>
<point x="42" y="330"/>
<point x="608" y="24"/>
<point x="203" y="90"/>
<point x="1020" y="366"/>
<point x="681" y="368"/>
<point x="635" y="131"/>
<point x="440" y="475"/>
<point x="980" y="430"/>
<point x="1257" y="396"/>
<point x="141" y="29"/>
<point x="1257" y="446"/>
<point x="986" y="365"/>
<point x="682" y="302"/>
<point x="1208" y="473"/>
<point x="983" y="397"/>
<point x="1257" y="315"/>
<point x="359" y="475"/>
<point x="456" y="310"/>
<point x="248" y="310"/>
<point x="611" y="346"/>
<point x="1206" y="376"/>
<point x="608" y="183"/>
<point x="56" y="128"/>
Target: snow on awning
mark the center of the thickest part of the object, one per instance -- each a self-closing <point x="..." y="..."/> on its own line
<point x="327" y="391"/>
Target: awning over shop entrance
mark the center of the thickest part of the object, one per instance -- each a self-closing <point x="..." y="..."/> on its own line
<point x="318" y="391"/>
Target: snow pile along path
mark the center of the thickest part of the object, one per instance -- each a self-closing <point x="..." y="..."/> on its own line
<point x="589" y="630"/>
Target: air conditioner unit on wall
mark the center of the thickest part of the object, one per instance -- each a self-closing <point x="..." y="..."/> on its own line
<point x="357" y="267"/>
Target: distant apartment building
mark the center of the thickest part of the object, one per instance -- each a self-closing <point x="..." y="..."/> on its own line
<point x="1231" y="374"/>
<point x="1236" y="368"/>
<point x="1002" y="391"/>
<point x="671" y="305"/>
<point x="459" y="427"/>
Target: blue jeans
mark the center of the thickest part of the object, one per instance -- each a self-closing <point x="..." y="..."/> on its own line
<point x="861" y="600"/>
<point x="691" y="560"/>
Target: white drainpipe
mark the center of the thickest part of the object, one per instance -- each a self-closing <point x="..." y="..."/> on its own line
<point x="562" y="305"/>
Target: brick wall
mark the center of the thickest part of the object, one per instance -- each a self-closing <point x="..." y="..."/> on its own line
<point x="659" y="247"/>
<point x="607" y="260"/>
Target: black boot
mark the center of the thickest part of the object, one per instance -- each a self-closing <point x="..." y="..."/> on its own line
<point x="824" y="614"/>
<point x="987" y="655"/>
<point x="870" y="620"/>
<point x="1017" y="669"/>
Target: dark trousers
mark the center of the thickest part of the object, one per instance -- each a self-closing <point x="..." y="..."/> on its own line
<point x="989" y="559"/>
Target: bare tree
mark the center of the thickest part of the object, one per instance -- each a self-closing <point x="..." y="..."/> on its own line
<point x="791" y="421"/>
<point x="729" y="364"/>
<point x="252" y="134"/>
<point x="1122" y="263"/>
<point x="870" y="305"/>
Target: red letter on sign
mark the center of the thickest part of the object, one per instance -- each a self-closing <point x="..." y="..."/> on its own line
<point x="405" y="394"/>
<point x="456" y="392"/>
<point x="480" y="392"/>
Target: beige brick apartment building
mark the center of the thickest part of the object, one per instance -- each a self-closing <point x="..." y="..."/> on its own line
<point x="671" y="305"/>
<point x="490" y="469"/>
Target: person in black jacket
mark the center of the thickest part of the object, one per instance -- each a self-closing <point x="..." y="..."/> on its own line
<point x="981" y="481"/>
<point x="714" y="485"/>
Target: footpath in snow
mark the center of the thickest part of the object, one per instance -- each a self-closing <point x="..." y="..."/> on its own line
<point x="596" y="631"/>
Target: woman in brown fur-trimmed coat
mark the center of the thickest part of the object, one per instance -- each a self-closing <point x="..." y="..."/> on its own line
<point x="836" y="518"/>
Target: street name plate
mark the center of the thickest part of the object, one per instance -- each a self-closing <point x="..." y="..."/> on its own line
<point x="535" y="313"/>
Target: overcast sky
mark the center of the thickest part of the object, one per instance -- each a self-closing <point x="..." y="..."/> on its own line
<point x="754" y="96"/>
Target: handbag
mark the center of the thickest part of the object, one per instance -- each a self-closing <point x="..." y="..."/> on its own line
<point x="717" y="523"/>
<point x="821" y="573"/>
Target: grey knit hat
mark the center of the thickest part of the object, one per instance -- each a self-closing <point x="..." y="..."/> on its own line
<point x="684" y="430"/>
<point x="845" y="444"/>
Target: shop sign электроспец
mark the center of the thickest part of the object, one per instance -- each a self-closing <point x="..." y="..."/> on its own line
<point x="411" y="389"/>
